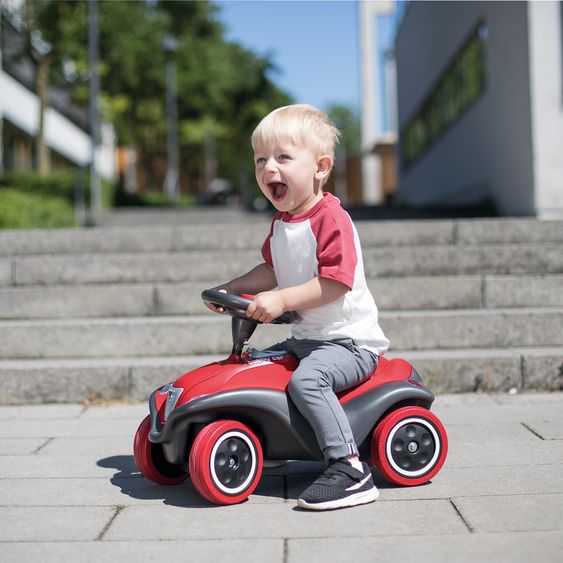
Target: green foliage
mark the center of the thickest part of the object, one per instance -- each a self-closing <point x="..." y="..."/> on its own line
<point x="20" y="210"/>
<point x="57" y="184"/>
<point x="60" y="184"/>
<point x="348" y="121"/>
<point x="149" y="199"/>
<point x="223" y="88"/>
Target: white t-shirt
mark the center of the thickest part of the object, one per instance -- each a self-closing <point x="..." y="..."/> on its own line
<point x="324" y="242"/>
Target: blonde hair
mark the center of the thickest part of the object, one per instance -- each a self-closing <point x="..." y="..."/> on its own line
<point x="300" y="124"/>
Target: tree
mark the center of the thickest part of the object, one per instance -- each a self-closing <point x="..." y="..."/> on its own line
<point x="347" y="120"/>
<point x="223" y="88"/>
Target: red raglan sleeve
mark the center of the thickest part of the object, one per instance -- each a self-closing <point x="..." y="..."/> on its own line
<point x="266" y="250"/>
<point x="336" y="249"/>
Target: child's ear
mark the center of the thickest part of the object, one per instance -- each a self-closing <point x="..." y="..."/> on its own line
<point x="324" y="166"/>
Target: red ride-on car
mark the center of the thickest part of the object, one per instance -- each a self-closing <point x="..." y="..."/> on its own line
<point x="219" y="422"/>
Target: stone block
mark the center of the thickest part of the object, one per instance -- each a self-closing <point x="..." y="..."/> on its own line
<point x="499" y="547"/>
<point x="76" y="301"/>
<point x="228" y="551"/>
<point x="508" y="230"/>
<point x="246" y="521"/>
<point x="21" y="446"/>
<point x="466" y="371"/>
<point x="524" y="291"/>
<point x="514" y="513"/>
<point x="405" y="233"/>
<point x="507" y="328"/>
<point x="5" y="272"/>
<point x="33" y="383"/>
<point x="50" y="523"/>
<point x="428" y="292"/>
<point x="543" y="371"/>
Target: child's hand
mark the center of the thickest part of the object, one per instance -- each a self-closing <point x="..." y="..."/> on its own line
<point x="266" y="307"/>
<point x="217" y="308"/>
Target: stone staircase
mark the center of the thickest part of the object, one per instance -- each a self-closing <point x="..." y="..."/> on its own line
<point x="114" y="312"/>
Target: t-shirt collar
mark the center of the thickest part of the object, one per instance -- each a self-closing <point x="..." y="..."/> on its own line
<point x="326" y="200"/>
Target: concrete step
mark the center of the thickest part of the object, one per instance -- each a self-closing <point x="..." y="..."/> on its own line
<point x="138" y="216"/>
<point x="210" y="334"/>
<point x="203" y="266"/>
<point x="444" y="371"/>
<point x="154" y="299"/>
<point x="250" y="230"/>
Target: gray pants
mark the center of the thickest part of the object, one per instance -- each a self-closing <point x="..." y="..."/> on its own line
<point x="325" y="368"/>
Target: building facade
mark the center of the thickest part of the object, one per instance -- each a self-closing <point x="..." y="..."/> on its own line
<point x="480" y="106"/>
<point x="66" y="126"/>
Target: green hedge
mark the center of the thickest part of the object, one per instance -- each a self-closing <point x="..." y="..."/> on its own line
<point x="56" y="184"/>
<point x="20" y="210"/>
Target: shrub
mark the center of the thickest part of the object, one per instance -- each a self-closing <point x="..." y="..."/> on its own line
<point x="60" y="184"/>
<point x="20" y="210"/>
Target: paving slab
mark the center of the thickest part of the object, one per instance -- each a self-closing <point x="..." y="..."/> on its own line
<point x="508" y="413"/>
<point x="484" y="481"/>
<point x="100" y="446"/>
<point x="21" y="446"/>
<point x="546" y="429"/>
<point x="513" y="513"/>
<point x="497" y="548"/>
<point x="476" y="454"/>
<point x="124" y="489"/>
<point x="42" y="523"/>
<point x="76" y="428"/>
<point x="489" y="432"/>
<point x="280" y="521"/>
<point x="40" y="412"/>
<point x="139" y="551"/>
<point x="75" y="465"/>
<point x="498" y="496"/>
<point x="523" y="399"/>
<point x="136" y="411"/>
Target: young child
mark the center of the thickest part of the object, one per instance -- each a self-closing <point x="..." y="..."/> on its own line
<point x="313" y="265"/>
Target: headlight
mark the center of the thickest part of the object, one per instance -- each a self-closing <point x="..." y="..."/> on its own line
<point x="173" y="396"/>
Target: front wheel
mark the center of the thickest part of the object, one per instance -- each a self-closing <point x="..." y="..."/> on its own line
<point x="409" y="446"/>
<point x="150" y="459"/>
<point x="226" y="462"/>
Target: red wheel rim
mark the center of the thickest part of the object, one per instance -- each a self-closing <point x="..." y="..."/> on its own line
<point x="409" y="446"/>
<point x="226" y="462"/>
<point x="150" y="460"/>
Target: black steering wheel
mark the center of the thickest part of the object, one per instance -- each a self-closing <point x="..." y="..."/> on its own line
<point x="236" y="306"/>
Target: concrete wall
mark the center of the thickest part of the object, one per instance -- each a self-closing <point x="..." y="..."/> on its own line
<point x="546" y="88"/>
<point x="488" y="151"/>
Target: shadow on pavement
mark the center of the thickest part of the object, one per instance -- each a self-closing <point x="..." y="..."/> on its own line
<point x="284" y="482"/>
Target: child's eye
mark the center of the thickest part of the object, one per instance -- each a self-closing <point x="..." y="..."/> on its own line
<point x="260" y="160"/>
<point x="284" y="157"/>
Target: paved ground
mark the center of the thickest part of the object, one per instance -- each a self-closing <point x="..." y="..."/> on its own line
<point x="69" y="490"/>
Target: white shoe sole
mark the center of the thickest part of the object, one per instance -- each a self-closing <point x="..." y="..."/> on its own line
<point x="364" y="497"/>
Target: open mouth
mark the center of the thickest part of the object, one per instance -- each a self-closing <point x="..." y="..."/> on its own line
<point x="277" y="190"/>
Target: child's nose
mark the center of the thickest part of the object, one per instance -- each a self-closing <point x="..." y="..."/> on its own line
<point x="270" y="165"/>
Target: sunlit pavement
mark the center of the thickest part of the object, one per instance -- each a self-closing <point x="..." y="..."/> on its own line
<point x="69" y="489"/>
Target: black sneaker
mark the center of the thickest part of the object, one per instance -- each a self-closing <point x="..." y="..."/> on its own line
<point x="341" y="485"/>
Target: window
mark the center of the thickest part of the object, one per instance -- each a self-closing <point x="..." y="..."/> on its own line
<point x="458" y="87"/>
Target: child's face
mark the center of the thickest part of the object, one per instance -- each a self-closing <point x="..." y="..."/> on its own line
<point x="290" y="176"/>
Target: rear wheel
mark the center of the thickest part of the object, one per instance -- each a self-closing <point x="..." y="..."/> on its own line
<point x="150" y="459"/>
<point x="409" y="446"/>
<point x="226" y="462"/>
